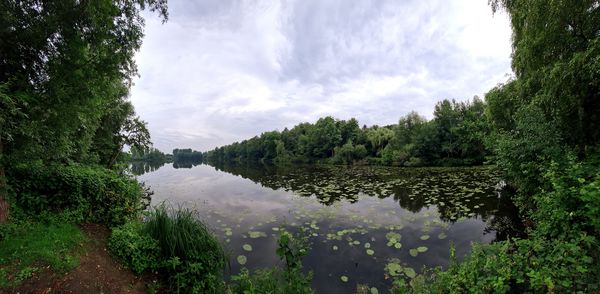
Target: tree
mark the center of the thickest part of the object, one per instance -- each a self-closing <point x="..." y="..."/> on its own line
<point x="349" y="152"/>
<point x="118" y="127"/>
<point x="379" y="138"/>
<point x="349" y="130"/>
<point x="324" y="137"/>
<point x="62" y="63"/>
<point x="555" y="58"/>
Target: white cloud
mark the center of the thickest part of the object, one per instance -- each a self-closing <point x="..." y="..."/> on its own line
<point x="220" y="71"/>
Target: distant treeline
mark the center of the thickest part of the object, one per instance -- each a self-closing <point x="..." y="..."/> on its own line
<point x="180" y="157"/>
<point x="454" y="136"/>
<point x="150" y="154"/>
<point x="187" y="155"/>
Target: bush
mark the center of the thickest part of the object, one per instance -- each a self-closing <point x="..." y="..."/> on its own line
<point x="532" y="265"/>
<point x="524" y="154"/>
<point x="86" y="193"/>
<point x="177" y="245"/>
<point x="560" y="255"/>
<point x="572" y="202"/>
<point x="133" y="247"/>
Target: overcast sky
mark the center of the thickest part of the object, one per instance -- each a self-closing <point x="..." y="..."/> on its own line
<point x="221" y="71"/>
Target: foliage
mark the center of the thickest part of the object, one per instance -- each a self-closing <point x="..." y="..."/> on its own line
<point x="119" y="127"/>
<point x="291" y="279"/>
<point x="191" y="255"/>
<point x="84" y="193"/>
<point x="133" y="247"/>
<point x="570" y="205"/>
<point x="348" y="153"/>
<point x="291" y="249"/>
<point x="28" y="246"/>
<point x="150" y="155"/>
<point x="65" y="65"/>
<point x="529" y="265"/>
<point x="187" y="155"/>
<point x="544" y="136"/>
<point x="524" y="153"/>
<point x="454" y="137"/>
<point x="174" y="243"/>
<point x="556" y="49"/>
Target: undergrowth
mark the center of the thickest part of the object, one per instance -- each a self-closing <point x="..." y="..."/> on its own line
<point x="177" y="245"/>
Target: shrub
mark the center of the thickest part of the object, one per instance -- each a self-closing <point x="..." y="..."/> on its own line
<point x="192" y="257"/>
<point x="85" y="193"/>
<point x="560" y="255"/>
<point x="134" y="248"/>
<point x="572" y="202"/>
<point x="530" y="265"/>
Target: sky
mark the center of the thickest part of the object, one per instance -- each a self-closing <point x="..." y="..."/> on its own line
<point x="220" y="71"/>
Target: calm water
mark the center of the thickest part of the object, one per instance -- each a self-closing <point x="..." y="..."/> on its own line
<point x="365" y="223"/>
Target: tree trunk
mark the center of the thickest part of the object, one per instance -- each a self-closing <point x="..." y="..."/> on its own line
<point x="4" y="207"/>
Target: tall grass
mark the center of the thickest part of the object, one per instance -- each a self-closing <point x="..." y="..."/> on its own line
<point x="193" y="256"/>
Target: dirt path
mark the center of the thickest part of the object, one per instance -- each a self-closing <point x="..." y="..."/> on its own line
<point x="97" y="272"/>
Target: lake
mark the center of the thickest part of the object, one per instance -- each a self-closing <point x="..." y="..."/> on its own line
<point x="366" y="224"/>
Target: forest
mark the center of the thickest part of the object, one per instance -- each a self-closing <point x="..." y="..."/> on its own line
<point x="455" y="136"/>
<point x="66" y="69"/>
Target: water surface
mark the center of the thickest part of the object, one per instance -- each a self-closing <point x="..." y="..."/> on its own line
<point x="365" y="223"/>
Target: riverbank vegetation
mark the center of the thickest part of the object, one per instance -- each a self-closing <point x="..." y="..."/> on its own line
<point x="65" y="73"/>
<point x="175" y="243"/>
<point x="26" y="245"/>
<point x="544" y="138"/>
<point x="65" y="117"/>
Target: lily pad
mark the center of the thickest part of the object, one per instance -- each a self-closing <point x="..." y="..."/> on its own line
<point x="413" y="252"/>
<point x="256" y="234"/>
<point x="374" y="290"/>
<point x="393" y="268"/>
<point x="344" y="279"/>
<point x="335" y="248"/>
<point x="370" y="252"/>
<point x="441" y="236"/>
<point x="424" y="237"/>
<point x="241" y="259"/>
<point x="422" y="249"/>
<point x="367" y="245"/>
<point x="398" y="245"/>
<point x="247" y="247"/>
<point x="410" y="272"/>
<point x="392" y="238"/>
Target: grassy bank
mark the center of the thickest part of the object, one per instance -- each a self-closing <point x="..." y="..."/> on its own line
<point x="29" y="247"/>
<point x="47" y="203"/>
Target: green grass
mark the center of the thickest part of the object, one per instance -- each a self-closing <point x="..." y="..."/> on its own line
<point x="194" y="256"/>
<point x="176" y="244"/>
<point x="27" y="247"/>
<point x="181" y="234"/>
